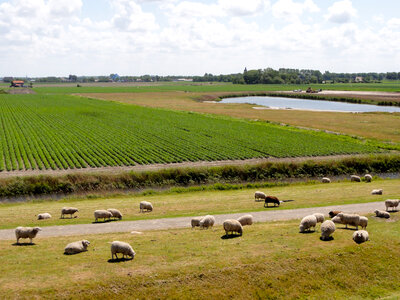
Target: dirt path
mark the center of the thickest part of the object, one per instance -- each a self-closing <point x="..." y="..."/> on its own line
<point x="159" y="224"/>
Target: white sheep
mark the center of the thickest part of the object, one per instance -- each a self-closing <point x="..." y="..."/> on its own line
<point x="207" y="222"/>
<point x="392" y="203"/>
<point x="121" y="247"/>
<point x="26" y="232"/>
<point x="195" y="222"/>
<point x="259" y="195"/>
<point x="349" y="219"/>
<point x="336" y="220"/>
<point x="327" y="228"/>
<point x="115" y="213"/>
<point x="68" y="211"/>
<point x="377" y="192"/>
<point x="363" y="222"/>
<point x="76" y="247"/>
<point x="368" y="178"/>
<point x="382" y="214"/>
<point x="355" y="178"/>
<point x="246" y="220"/>
<point x="360" y="236"/>
<point x="145" y="205"/>
<point x="320" y="217"/>
<point x="307" y="222"/>
<point x="326" y="180"/>
<point x="43" y="216"/>
<point x="102" y="214"/>
<point x="232" y="225"/>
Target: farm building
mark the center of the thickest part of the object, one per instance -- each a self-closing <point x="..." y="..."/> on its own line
<point x="17" y="83"/>
<point x="358" y="79"/>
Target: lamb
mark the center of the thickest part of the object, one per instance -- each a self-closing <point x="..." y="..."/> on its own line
<point x="207" y="221"/>
<point x="246" y="220"/>
<point x="195" y="222"/>
<point x="368" y="178"/>
<point x="355" y="178"/>
<point x="327" y="228"/>
<point x="43" y="216"/>
<point x="68" y="211"/>
<point x="392" y="203"/>
<point x="145" y="205"/>
<point x="349" y="219"/>
<point x="271" y="199"/>
<point x="326" y="180"/>
<point x="363" y="222"/>
<point x="259" y="195"/>
<point x="76" y="247"/>
<point x="382" y="214"/>
<point x="360" y="236"/>
<point x="121" y="247"/>
<point x="26" y="232"/>
<point x="320" y="217"/>
<point x="102" y="214"/>
<point x="307" y="222"/>
<point x="334" y="213"/>
<point x="232" y="225"/>
<point x="116" y="214"/>
<point x="377" y="192"/>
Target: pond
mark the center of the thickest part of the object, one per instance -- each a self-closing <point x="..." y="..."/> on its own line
<point x="304" y="104"/>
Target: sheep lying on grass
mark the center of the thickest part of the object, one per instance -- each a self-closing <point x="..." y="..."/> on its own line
<point x="76" y="247"/>
<point x="377" y="192"/>
<point x="271" y="199"/>
<point x="326" y="180"/>
<point x="68" y="211"/>
<point x="246" y="220"/>
<point x="102" y="214"/>
<point x="360" y="236"/>
<point x="207" y="222"/>
<point x="259" y="195"/>
<point x="320" y="217"/>
<point x="327" y="228"/>
<point x="195" y="222"/>
<point x="355" y="178"/>
<point x="382" y="214"/>
<point x="392" y="203"/>
<point x="26" y="232"/>
<point x="363" y="222"/>
<point x="121" y="247"/>
<point x="116" y="214"/>
<point x="307" y="223"/>
<point x="368" y="178"/>
<point x="334" y="213"/>
<point x="232" y="226"/>
<point x="43" y="216"/>
<point x="145" y="205"/>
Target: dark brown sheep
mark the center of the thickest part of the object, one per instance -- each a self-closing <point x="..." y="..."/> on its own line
<point x="333" y="213"/>
<point x="271" y="199"/>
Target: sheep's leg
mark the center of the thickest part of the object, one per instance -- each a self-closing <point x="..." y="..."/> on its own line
<point x="31" y="240"/>
<point x="18" y="240"/>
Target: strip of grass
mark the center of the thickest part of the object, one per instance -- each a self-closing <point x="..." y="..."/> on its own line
<point x="270" y="260"/>
<point x="198" y="203"/>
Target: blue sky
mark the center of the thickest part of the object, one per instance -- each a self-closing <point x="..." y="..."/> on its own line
<point x="136" y="37"/>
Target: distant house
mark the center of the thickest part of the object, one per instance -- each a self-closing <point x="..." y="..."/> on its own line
<point x="17" y="83"/>
<point x="185" y="79"/>
<point x="358" y="79"/>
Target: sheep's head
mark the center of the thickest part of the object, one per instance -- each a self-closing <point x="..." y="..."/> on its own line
<point x="37" y="229"/>
<point x="301" y="227"/>
<point x="376" y="211"/>
<point x="85" y="243"/>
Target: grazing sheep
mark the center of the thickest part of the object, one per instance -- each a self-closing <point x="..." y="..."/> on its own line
<point x="232" y="225"/>
<point x="377" y="192"/>
<point x="271" y="199"/>
<point x="26" y="232"/>
<point x="121" y="247"/>
<point x="327" y="228"/>
<point x="307" y="222"/>
<point x="337" y="220"/>
<point x="326" y="180"/>
<point x="145" y="205"/>
<point x="43" y="216"/>
<point x="349" y="219"/>
<point x="355" y="178"/>
<point x="76" y="247"/>
<point x="68" y="211"/>
<point x="360" y="236"/>
<point x="392" y="203"/>
<point x="382" y="214"/>
<point x="246" y="220"/>
<point x="115" y="213"/>
<point x="102" y="214"/>
<point x="320" y="217"/>
<point x="259" y="195"/>
<point x="207" y="222"/>
<point x="195" y="222"/>
<point x="334" y="213"/>
<point x="368" y="178"/>
<point x="363" y="222"/>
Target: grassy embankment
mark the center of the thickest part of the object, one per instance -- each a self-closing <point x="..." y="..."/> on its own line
<point x="270" y="261"/>
<point x="170" y="204"/>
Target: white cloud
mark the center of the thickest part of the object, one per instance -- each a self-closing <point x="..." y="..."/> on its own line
<point x="291" y="11"/>
<point x="341" y="12"/>
<point x="243" y="8"/>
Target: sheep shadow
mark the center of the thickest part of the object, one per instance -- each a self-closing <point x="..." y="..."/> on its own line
<point x="74" y="253"/>
<point x="331" y="238"/>
<point x="24" y="244"/>
<point x="352" y="229"/>
<point x="105" y="221"/>
<point x="74" y="217"/>
<point x="118" y="260"/>
<point x="308" y="231"/>
<point x="230" y="236"/>
<point x="393" y="211"/>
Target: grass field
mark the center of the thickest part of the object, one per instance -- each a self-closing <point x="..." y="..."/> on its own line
<point x="270" y="261"/>
<point x="61" y="131"/>
<point x="197" y="203"/>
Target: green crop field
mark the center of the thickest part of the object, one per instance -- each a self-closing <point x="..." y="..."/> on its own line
<point x="62" y="131"/>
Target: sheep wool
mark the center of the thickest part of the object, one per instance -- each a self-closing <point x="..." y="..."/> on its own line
<point x="246" y="220"/>
<point x="360" y="236"/>
<point x="145" y="205"/>
<point x="26" y="232"/>
<point x="363" y="222"/>
<point x="349" y="219"/>
<point x="327" y="228"/>
<point x="368" y="178"/>
<point x="382" y="214"/>
<point x="271" y="199"/>
<point x="377" y="192"/>
<point x="259" y="195"/>
<point x="207" y="222"/>
<point x="320" y="217"/>
<point x="121" y="247"/>
<point x="232" y="226"/>
<point x="68" y="211"/>
<point x="116" y="214"/>
<point x="326" y="180"/>
<point x="392" y="203"/>
<point x="76" y="247"/>
<point x="336" y="220"/>
<point x="102" y="214"/>
<point x="43" y="216"/>
<point x="355" y="178"/>
<point x="195" y="222"/>
<point x="334" y="213"/>
<point x="307" y="223"/>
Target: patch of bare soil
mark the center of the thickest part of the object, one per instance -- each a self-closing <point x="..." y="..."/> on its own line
<point x="20" y="91"/>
